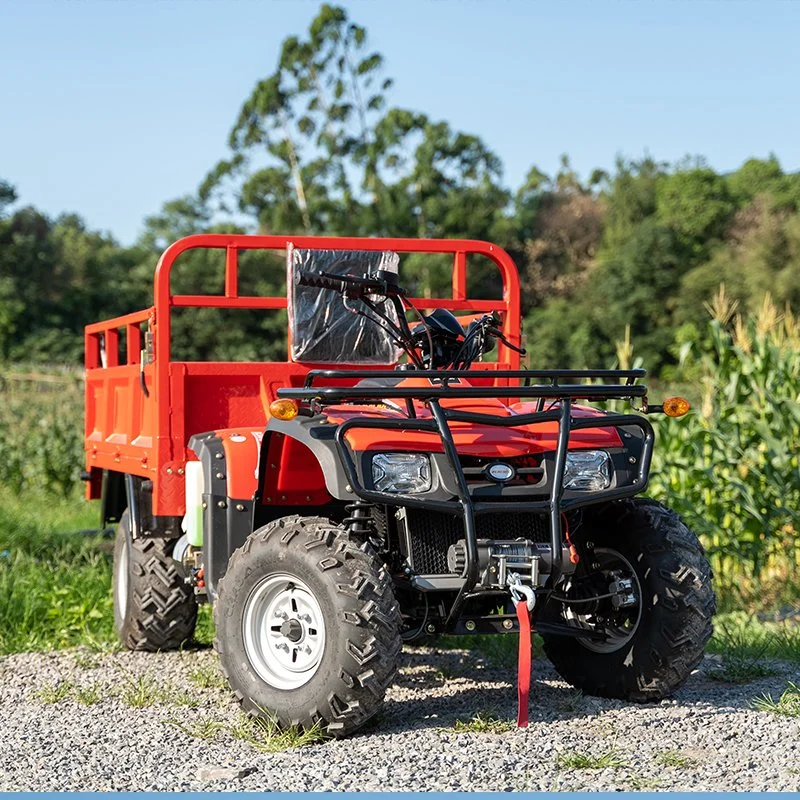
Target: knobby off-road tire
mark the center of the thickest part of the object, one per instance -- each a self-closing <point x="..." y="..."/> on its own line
<point x="677" y="605"/>
<point x="154" y="608"/>
<point x="357" y="658"/>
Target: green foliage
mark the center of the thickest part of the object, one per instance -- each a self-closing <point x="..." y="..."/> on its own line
<point x="740" y="637"/>
<point x="208" y="677"/>
<point x="695" y="204"/>
<point x="731" y="470"/>
<point x="55" y="580"/>
<point x="52" y="693"/>
<point x="787" y="705"/>
<point x="41" y="431"/>
<point x="632" y="287"/>
<point x="674" y="758"/>
<point x="265" y="734"/>
<point x="485" y="721"/>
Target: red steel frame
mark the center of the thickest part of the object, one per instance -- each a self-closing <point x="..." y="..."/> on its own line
<point x="113" y="392"/>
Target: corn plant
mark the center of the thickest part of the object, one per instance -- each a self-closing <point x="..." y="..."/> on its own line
<point x="731" y="468"/>
<point x="41" y="435"/>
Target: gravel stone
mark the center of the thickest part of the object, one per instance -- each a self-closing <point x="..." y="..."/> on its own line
<point x="110" y="746"/>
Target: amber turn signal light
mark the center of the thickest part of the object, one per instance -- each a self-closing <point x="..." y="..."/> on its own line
<point x="283" y="409"/>
<point x="676" y="406"/>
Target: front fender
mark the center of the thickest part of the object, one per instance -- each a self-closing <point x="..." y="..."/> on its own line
<point x="277" y="467"/>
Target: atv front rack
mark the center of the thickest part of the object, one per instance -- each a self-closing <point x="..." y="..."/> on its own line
<point x="445" y="385"/>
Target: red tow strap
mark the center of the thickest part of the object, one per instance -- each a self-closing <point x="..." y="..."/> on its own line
<point x="524" y="673"/>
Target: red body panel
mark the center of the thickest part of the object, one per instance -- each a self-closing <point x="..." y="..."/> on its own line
<point x="286" y="459"/>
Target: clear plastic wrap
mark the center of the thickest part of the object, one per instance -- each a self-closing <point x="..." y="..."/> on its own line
<point x="323" y="330"/>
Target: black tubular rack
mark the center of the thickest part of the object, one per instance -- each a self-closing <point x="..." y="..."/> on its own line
<point x="446" y="385"/>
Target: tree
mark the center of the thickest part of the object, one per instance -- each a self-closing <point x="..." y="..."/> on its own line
<point x="304" y="157"/>
<point x="696" y="206"/>
<point x="630" y="198"/>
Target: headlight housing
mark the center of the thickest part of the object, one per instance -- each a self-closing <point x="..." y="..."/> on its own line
<point x="401" y="473"/>
<point x="587" y="470"/>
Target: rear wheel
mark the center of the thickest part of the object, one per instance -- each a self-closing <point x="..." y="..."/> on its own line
<point x="154" y="608"/>
<point x="656" y="633"/>
<point x="307" y="625"/>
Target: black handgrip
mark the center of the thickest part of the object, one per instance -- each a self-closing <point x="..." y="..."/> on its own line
<point x="321" y="281"/>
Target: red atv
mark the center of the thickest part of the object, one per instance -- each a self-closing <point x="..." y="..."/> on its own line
<point x="398" y="477"/>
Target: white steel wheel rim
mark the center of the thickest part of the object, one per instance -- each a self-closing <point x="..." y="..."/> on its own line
<point x="616" y="636"/>
<point x="122" y="580"/>
<point x="283" y="631"/>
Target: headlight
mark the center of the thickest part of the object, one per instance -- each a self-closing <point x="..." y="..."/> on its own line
<point x="589" y="470"/>
<point x="401" y="473"/>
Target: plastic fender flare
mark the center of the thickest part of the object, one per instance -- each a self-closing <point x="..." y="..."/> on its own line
<point x="318" y="437"/>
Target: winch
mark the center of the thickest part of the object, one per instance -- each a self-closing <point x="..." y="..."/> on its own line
<point x="498" y="558"/>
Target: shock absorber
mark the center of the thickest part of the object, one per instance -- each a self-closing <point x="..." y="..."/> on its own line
<point x="359" y="519"/>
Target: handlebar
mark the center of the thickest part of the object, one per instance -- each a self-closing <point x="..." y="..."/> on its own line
<point x="382" y="283"/>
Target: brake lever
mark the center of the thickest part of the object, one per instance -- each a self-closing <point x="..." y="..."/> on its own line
<point x="497" y="333"/>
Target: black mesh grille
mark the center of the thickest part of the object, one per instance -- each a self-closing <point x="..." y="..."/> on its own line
<point x="433" y="532"/>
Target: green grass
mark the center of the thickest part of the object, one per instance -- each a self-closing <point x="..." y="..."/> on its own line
<point x="609" y="759"/>
<point x="55" y="578"/>
<point x="262" y="733"/>
<point x="674" y="758"/>
<point x="265" y="735"/>
<point x="747" y="646"/>
<point x="142" y="691"/>
<point x="484" y="722"/>
<point x="208" y="677"/>
<point x="203" y="729"/>
<point x="88" y="695"/>
<point x="55" y="581"/>
<point x="787" y="705"/>
<point x="86" y="660"/>
<point x="52" y="693"/>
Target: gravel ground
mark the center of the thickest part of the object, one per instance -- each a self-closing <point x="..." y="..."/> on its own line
<point x="714" y="741"/>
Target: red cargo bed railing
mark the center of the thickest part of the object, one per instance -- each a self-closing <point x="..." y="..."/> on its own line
<point x="154" y="445"/>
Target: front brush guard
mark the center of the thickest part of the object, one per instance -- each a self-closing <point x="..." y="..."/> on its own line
<point x="464" y="505"/>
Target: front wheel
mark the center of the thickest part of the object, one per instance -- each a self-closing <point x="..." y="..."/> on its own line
<point x="307" y="626"/>
<point x="654" y="635"/>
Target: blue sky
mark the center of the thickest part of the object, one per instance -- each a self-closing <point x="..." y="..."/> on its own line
<point x="111" y="107"/>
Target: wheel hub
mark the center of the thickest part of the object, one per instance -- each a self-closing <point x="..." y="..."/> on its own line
<point x="626" y="606"/>
<point x="292" y="629"/>
<point x="283" y="631"/>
